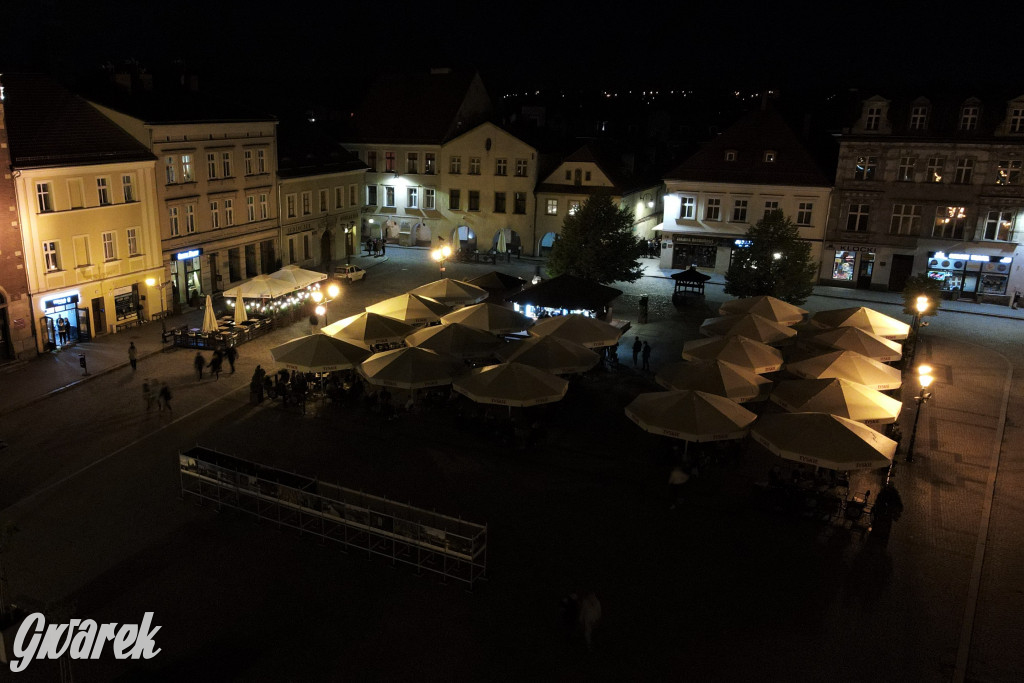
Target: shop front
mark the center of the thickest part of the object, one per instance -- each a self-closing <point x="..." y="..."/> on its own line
<point x="187" y="275"/>
<point x="64" y="321"/>
<point x="849" y="265"/>
<point x="981" y="277"/>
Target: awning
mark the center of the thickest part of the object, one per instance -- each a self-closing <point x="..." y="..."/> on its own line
<point x="696" y="227"/>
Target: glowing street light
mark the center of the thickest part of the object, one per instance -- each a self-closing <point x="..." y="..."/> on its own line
<point x="151" y="282"/>
<point x="921" y="306"/>
<point x="441" y="255"/>
<point x="925" y="379"/>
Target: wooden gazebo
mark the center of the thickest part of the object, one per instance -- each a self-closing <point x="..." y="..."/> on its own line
<point x="691" y="280"/>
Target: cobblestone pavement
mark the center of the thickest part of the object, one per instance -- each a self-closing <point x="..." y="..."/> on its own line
<point x="723" y="590"/>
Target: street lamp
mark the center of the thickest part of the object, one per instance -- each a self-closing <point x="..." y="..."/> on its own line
<point x="925" y="379"/>
<point x="441" y="256"/>
<point x="151" y="282"/>
<point x="921" y="306"/>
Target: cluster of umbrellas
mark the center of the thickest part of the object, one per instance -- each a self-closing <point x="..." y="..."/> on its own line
<point x="832" y="405"/>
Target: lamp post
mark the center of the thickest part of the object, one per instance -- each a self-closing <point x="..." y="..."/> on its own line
<point x="921" y="305"/>
<point x="441" y="255"/>
<point x="925" y="379"/>
<point x="151" y="282"/>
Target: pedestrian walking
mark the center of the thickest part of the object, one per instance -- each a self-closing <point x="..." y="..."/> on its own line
<point x="147" y="394"/>
<point x="62" y="335"/>
<point x="199" y="363"/>
<point x="637" y="346"/>
<point x="647" y="355"/>
<point x="165" y="398"/>
<point x="133" y="356"/>
<point x="383" y="247"/>
<point x="676" y="481"/>
<point x="215" y="364"/>
<point x="231" y="354"/>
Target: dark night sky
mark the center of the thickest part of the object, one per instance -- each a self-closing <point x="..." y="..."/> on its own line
<point x="530" y="44"/>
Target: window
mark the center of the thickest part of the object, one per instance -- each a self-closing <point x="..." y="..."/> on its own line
<point x="109" y="248"/>
<point x="187" y="175"/>
<point x="103" y="191"/>
<point x="352" y="189"/>
<point x="389" y="195"/>
<point x="866" y="168"/>
<point x="289" y="206"/>
<point x="964" y="171"/>
<point x="574" y="207"/>
<point x="521" y="168"/>
<point x="214" y="215"/>
<point x="769" y="206"/>
<point x="687" y="207"/>
<point x="770" y="156"/>
<point x="339" y="198"/>
<point x="474" y="200"/>
<point x="552" y="207"/>
<point x="250" y="208"/>
<point x="371" y="159"/>
<point x="455" y="200"/>
<point x="1016" y="123"/>
<point x="906" y="169"/>
<point x="730" y="155"/>
<point x="82" y="255"/>
<point x="501" y="167"/>
<point x="229" y="212"/>
<point x="474" y="166"/>
<point x="412" y="162"/>
<point x="190" y="218"/>
<point x="455" y="165"/>
<point x="412" y="198"/>
<point x="906" y="219"/>
<point x="713" y="210"/>
<point x="428" y="198"/>
<point x="499" y="202"/>
<point x="389" y="162"/>
<point x="918" y="118"/>
<point x="265" y="206"/>
<point x="371" y="195"/>
<point x="305" y="245"/>
<point x="950" y="222"/>
<point x="969" y="118"/>
<point x="50" y="255"/>
<point x="873" y="119"/>
<point x="519" y="203"/>
<point x="999" y="226"/>
<point x="1008" y="172"/>
<point x="173" y="216"/>
<point x="857" y="218"/>
<point x="261" y="161"/>
<point x="170" y="168"/>
<point x="247" y="155"/>
<point x="307" y="203"/>
<point x="429" y="163"/>
<point x="586" y="176"/>
<point x="321" y="201"/>
<point x="935" y="169"/>
<point x="211" y="165"/>
<point x="739" y="211"/>
<point x="133" y="241"/>
<point x="225" y="162"/>
<point x="128" y="187"/>
<point x="804" y="213"/>
<point x="568" y="174"/>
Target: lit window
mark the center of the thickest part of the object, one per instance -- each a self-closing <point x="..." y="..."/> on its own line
<point x="429" y="163"/>
<point x="866" y="168"/>
<point x="804" y="213"/>
<point x="428" y="198"/>
<point x="133" y="241"/>
<point x="128" y="187"/>
<point x="103" y="191"/>
<point x="574" y="207"/>
<point x="389" y="195"/>
<point x="186" y="168"/>
<point x="552" y="207"/>
<point x="713" y="210"/>
<point x="730" y="155"/>
<point x="936" y="166"/>
<point x="857" y="218"/>
<point x="389" y="162"/>
<point x="1008" y="172"/>
<point x="999" y="226"/>
<point x="51" y="256"/>
<point x="109" y="249"/>
<point x="950" y="222"/>
<point x="687" y="207"/>
<point x="521" y="168"/>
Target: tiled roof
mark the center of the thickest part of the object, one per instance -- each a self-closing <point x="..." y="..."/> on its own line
<point x="304" y="149"/>
<point x="174" y="105"/>
<point x="759" y="131"/>
<point x="943" y="114"/>
<point x="49" y="126"/>
<point x="611" y="162"/>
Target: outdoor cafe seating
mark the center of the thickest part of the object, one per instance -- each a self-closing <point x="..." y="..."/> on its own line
<point x="229" y="333"/>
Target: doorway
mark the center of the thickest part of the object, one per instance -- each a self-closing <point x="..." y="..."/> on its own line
<point x="99" y="315"/>
<point x="902" y="267"/>
<point x="867" y="266"/>
<point x="326" y="255"/>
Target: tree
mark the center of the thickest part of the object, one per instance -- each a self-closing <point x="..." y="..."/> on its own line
<point x="597" y="243"/>
<point x="777" y="262"/>
<point x="921" y="285"/>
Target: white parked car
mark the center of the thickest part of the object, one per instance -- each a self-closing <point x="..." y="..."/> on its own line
<point x="350" y="273"/>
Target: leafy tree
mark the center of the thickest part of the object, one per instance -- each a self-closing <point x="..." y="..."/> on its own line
<point x="777" y="262"/>
<point x="597" y="243"/>
<point x="921" y="285"/>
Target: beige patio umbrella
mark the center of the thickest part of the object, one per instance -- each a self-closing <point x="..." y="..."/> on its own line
<point x="848" y="365"/>
<point x="451" y="292"/>
<point x="240" y="315"/>
<point x="718" y="377"/>
<point x="409" y="368"/>
<point x="210" y="323"/>
<point x="261" y="287"/>
<point x="856" y="339"/>
<point x="740" y="350"/>
<point x="511" y="384"/>
<point x="580" y="329"/>
<point x="550" y="354"/>
<point x="867" y="319"/>
<point x="299" y="278"/>
<point x="837" y="396"/>
<point x="455" y="339"/>
<point x="368" y="329"/>
<point x="750" y="325"/>
<point x="769" y="307"/>
<point x="318" y="353"/>
<point x="695" y="416"/>
<point x="410" y="309"/>
<point x="490" y="318"/>
<point x="824" y="440"/>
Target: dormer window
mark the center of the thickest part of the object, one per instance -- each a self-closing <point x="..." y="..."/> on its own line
<point x="1016" y="120"/>
<point x="873" y="119"/>
<point x="730" y="155"/>
<point x="918" y="118"/>
<point x="769" y="156"/>
<point x="969" y="118"/>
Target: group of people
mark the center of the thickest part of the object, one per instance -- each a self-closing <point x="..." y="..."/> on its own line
<point x="376" y="246"/>
<point x="155" y="391"/>
<point x="652" y="248"/>
<point x="290" y="387"/>
<point x="642" y="351"/>
<point x="63" y="327"/>
<point x="216" y="362"/>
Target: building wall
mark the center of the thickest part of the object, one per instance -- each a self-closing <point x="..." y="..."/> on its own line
<point x="338" y="217"/>
<point x="16" y="337"/>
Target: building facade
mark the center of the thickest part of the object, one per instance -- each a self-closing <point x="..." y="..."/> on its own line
<point x="930" y="187"/>
<point x="16" y="319"/>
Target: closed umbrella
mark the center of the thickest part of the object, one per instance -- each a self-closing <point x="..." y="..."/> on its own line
<point x="318" y="353"/>
<point x="837" y="397"/>
<point x="240" y="314"/>
<point x="695" y="416"/>
<point x="511" y="384"/>
<point x="451" y="292"/>
<point x="502" y="245"/>
<point x="823" y="440"/>
<point x="867" y="319"/>
<point x="718" y="377"/>
<point x="855" y="339"/>
<point x="209" y="317"/>
<point x="490" y="318"/>
<point x="765" y="306"/>
<point x="848" y="365"/>
<point x="740" y="350"/>
<point x="409" y="368"/>
<point x="410" y="309"/>
<point x="455" y="339"/>
<point x="368" y="329"/>
<point x="750" y="325"/>
<point x="550" y="354"/>
<point x="580" y="329"/>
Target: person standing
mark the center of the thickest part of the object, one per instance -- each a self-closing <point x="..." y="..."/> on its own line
<point x="383" y="247"/>
<point x="147" y="395"/>
<point x="647" y="356"/>
<point x="66" y="325"/>
<point x="231" y="353"/>
<point x="637" y="346"/>
<point x="133" y="356"/>
<point x="215" y="364"/>
<point x="165" y="397"/>
<point x="199" y="363"/>
<point x="61" y="335"/>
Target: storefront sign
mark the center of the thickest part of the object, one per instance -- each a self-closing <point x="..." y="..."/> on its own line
<point x="61" y="301"/>
<point x="122" y="290"/>
<point x="186" y="255"/>
<point x="853" y="247"/>
<point x="683" y="239"/>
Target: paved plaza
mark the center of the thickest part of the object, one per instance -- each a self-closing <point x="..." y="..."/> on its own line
<point x="718" y="590"/>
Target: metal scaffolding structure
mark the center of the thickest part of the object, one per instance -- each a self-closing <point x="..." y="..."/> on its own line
<point x="450" y="547"/>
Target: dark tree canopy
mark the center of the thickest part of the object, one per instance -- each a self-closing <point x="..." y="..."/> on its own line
<point x="597" y="243"/>
<point x="777" y="262"/>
